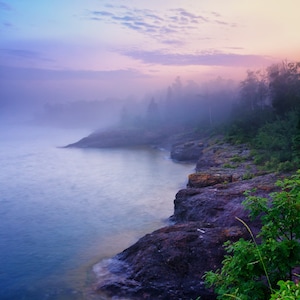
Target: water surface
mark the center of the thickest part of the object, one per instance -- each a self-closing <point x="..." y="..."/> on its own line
<point x="63" y="210"/>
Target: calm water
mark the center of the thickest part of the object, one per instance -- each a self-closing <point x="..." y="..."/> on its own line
<point x="64" y="210"/>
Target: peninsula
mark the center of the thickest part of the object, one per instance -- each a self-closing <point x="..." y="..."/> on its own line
<point x="169" y="263"/>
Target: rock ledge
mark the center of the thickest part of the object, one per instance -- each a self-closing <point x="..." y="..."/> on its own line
<point x="169" y="263"/>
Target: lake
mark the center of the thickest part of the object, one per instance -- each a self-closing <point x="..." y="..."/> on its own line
<point x="63" y="210"/>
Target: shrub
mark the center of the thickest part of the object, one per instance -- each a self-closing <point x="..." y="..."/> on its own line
<point x="251" y="270"/>
<point x="237" y="159"/>
<point x="278" y="142"/>
<point x="247" y="176"/>
<point x="289" y="290"/>
<point x="229" y="166"/>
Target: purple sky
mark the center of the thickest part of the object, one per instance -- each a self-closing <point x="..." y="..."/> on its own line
<point x="88" y="50"/>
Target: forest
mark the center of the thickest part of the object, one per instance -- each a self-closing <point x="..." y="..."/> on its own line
<point x="263" y="111"/>
<point x="267" y="116"/>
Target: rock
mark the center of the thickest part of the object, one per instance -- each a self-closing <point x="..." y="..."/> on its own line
<point x="199" y="180"/>
<point x="221" y="203"/>
<point x="122" y="138"/>
<point x="168" y="263"/>
<point x="188" y="151"/>
<point x="220" y="155"/>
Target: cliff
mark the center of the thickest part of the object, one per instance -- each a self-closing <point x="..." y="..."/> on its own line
<point x="169" y="263"/>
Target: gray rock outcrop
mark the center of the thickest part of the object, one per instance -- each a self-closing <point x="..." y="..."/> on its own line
<point x="169" y="263"/>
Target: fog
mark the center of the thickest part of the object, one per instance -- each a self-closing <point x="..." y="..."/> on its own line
<point x="180" y="103"/>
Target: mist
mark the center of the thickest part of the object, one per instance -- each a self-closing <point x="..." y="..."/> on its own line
<point x="180" y="103"/>
<point x="106" y="107"/>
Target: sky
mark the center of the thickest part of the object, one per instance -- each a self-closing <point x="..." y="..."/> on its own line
<point x="69" y="50"/>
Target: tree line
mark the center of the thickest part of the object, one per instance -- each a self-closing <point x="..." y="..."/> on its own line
<point x="262" y="111"/>
<point x="267" y="116"/>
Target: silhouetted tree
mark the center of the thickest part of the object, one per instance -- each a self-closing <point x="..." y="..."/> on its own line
<point x="285" y="86"/>
<point x="254" y="91"/>
<point x="252" y="109"/>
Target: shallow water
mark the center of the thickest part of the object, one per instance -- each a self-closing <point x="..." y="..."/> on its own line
<point x="64" y="210"/>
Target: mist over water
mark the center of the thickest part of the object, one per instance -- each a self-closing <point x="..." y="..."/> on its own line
<point x="63" y="210"/>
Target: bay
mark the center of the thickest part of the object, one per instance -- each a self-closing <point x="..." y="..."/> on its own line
<point x="63" y="210"/>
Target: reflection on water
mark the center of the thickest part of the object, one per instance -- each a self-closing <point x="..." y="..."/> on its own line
<point x="64" y="210"/>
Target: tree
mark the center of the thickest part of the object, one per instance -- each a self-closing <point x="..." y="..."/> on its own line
<point x="277" y="140"/>
<point x="254" y="91"/>
<point x="285" y="86"/>
<point x="252" y="109"/>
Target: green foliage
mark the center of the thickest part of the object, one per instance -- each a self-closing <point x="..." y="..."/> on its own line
<point x="237" y="159"/>
<point x="238" y="276"/>
<point x="289" y="290"/>
<point x="276" y="142"/>
<point x="247" y="176"/>
<point x="246" y="124"/>
<point x="251" y="270"/>
<point x="229" y="166"/>
<point x="267" y="116"/>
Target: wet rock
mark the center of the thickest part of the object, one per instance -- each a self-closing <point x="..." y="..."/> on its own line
<point x="188" y="151"/>
<point x="168" y="263"/>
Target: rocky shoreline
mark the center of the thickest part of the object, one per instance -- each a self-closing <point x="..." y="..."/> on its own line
<point x="169" y="263"/>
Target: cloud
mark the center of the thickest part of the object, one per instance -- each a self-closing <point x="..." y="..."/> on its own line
<point x="225" y="23"/>
<point x="134" y="20"/>
<point x="7" y="24"/>
<point x="172" y="24"/>
<point x="103" y="13"/>
<point x="23" y="54"/>
<point x="16" y="73"/>
<point x="185" y="16"/>
<point x="203" y="59"/>
<point x="216" y="14"/>
<point x="5" y="6"/>
<point x="173" y="42"/>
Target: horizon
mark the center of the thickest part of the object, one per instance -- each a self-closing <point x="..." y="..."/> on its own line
<point x="76" y="51"/>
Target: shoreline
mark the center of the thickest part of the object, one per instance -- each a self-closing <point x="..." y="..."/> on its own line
<point x="169" y="263"/>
